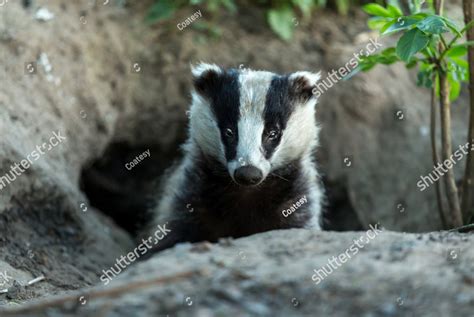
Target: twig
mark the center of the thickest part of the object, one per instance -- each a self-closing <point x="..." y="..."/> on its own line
<point x="465" y="228"/>
<point x="33" y="281"/>
<point x="446" y="150"/>
<point x="91" y="295"/>
<point x="36" y="280"/>
<point x="468" y="183"/>
<point x="434" y="151"/>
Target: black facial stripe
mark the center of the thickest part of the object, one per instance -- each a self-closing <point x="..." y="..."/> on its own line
<point x="225" y="102"/>
<point x="278" y="108"/>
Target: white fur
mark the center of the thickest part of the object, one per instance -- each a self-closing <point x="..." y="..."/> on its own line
<point x="312" y="78"/>
<point x="204" y="130"/>
<point x="200" y="68"/>
<point x="254" y="87"/>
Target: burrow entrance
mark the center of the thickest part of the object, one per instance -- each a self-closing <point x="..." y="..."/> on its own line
<point x="126" y="193"/>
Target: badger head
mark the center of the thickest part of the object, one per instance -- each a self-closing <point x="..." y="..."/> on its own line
<point x="253" y="122"/>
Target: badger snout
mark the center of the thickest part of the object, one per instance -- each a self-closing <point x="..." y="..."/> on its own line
<point x="248" y="175"/>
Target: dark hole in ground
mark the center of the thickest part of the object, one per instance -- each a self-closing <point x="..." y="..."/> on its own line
<point x="125" y="195"/>
<point x="339" y="214"/>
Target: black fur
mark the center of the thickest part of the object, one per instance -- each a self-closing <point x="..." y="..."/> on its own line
<point x="278" y="108"/>
<point x="221" y="208"/>
<point x="222" y="90"/>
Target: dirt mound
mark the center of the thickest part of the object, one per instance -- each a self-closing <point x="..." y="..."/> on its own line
<point x="260" y="276"/>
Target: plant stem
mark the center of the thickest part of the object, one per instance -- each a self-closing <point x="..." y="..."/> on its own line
<point x="434" y="150"/>
<point x="94" y="294"/>
<point x="446" y="150"/>
<point x="468" y="184"/>
<point x="441" y="7"/>
<point x="444" y="48"/>
<point x="453" y="216"/>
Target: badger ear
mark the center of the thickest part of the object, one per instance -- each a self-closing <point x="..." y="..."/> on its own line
<point x="302" y="85"/>
<point x="205" y="77"/>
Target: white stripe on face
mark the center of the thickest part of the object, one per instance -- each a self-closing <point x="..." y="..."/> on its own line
<point x="299" y="137"/>
<point x="253" y="91"/>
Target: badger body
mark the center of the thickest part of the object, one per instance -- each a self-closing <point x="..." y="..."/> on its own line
<point x="249" y="157"/>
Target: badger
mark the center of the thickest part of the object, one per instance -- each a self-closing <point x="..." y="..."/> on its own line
<point x="248" y="159"/>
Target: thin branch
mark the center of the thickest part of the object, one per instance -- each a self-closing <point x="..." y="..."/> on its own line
<point x="434" y="151"/>
<point x="468" y="183"/>
<point x="102" y="293"/>
<point x="465" y="228"/>
<point x="446" y="150"/>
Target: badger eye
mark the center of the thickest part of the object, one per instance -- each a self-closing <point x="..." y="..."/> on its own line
<point x="273" y="134"/>
<point x="229" y="133"/>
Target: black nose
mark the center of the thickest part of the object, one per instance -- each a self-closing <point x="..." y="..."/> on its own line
<point x="248" y="175"/>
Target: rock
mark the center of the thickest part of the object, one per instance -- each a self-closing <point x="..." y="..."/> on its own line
<point x="43" y="14"/>
<point x="285" y="287"/>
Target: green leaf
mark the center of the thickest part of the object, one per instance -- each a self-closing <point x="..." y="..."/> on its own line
<point x="457" y="50"/>
<point x="425" y="78"/>
<point x="459" y="68"/>
<point x="412" y="63"/>
<point x="377" y="10"/>
<point x="455" y="87"/>
<point x="466" y="44"/>
<point x="281" y="21"/>
<point x="389" y="51"/>
<point x="387" y="60"/>
<point x="410" y="43"/>
<point x="394" y="11"/>
<point x="387" y="56"/>
<point x="432" y="25"/>
<point x="419" y="15"/>
<point x="161" y="10"/>
<point x="386" y="26"/>
<point x="462" y="63"/>
<point x="377" y="23"/>
<point x="367" y="66"/>
<point x="452" y="26"/>
<point x="402" y="23"/>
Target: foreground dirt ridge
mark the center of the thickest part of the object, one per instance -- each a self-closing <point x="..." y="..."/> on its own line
<point x="273" y="274"/>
